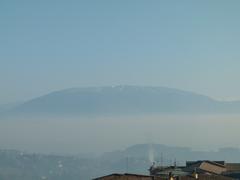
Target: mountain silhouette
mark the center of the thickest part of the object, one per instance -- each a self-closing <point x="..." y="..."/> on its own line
<point x="123" y="100"/>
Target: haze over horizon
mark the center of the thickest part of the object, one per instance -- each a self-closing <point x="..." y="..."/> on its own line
<point x="54" y="45"/>
<point x="48" y="46"/>
<point x="90" y="88"/>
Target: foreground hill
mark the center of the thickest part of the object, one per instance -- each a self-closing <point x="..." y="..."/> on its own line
<point x="123" y="100"/>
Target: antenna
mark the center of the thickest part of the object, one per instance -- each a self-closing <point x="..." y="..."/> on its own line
<point x="127" y="164"/>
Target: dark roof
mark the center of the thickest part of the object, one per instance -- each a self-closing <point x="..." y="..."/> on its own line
<point x="142" y="175"/>
<point x="217" y="163"/>
<point x="232" y="166"/>
<point x="125" y="174"/>
<point x="114" y="174"/>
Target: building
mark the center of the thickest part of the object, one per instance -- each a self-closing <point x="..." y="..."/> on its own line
<point x="202" y="170"/>
<point x="203" y="167"/>
<point x="165" y="171"/>
<point x="233" y="170"/>
<point x="206" y="167"/>
<point x="146" y="177"/>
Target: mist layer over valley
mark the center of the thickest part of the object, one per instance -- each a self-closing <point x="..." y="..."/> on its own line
<point x="106" y="134"/>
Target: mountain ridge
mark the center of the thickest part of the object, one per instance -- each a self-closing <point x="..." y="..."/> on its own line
<point x="118" y="100"/>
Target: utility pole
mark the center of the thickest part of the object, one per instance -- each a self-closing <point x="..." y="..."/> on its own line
<point x="161" y="160"/>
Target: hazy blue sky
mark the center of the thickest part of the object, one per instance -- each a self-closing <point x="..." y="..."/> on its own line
<point x="49" y="45"/>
